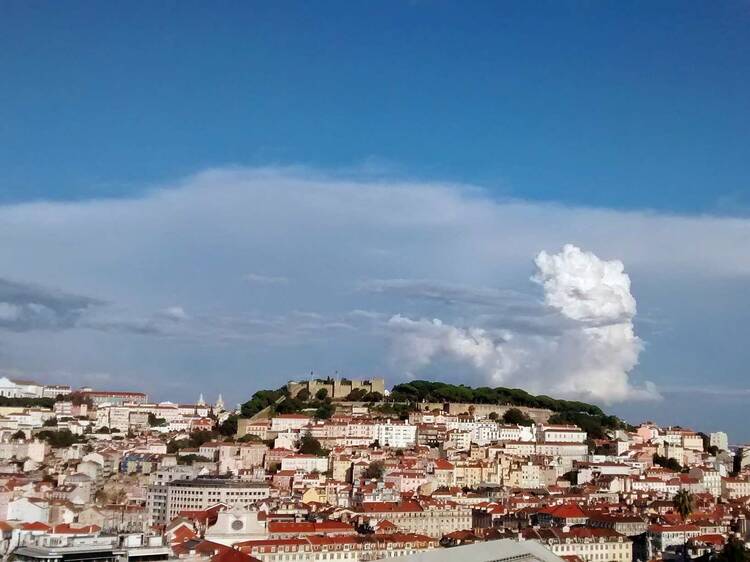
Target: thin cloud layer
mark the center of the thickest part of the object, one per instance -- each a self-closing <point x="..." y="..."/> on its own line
<point x="266" y="279"/>
<point x="27" y="306"/>
<point x="446" y="293"/>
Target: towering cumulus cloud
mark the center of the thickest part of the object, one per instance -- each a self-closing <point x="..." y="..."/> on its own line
<point x="598" y="354"/>
<point x="589" y="355"/>
<point x="585" y="288"/>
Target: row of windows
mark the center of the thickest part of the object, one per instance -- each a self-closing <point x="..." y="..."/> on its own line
<point x="200" y="493"/>
<point x="578" y="546"/>
<point x="328" y="556"/>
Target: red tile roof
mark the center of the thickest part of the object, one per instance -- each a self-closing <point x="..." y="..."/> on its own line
<point x="391" y="507"/>
<point x="232" y="555"/>
<point x="306" y="527"/>
<point x="709" y="538"/>
<point x="35" y="526"/>
<point x="66" y="528"/>
<point x="111" y="393"/>
<point x="672" y="528"/>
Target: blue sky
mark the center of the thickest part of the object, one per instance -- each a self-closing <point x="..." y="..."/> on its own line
<point x="593" y="103"/>
<point x="622" y="129"/>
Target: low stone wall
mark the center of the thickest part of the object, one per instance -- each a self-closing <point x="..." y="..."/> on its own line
<point x="539" y="415"/>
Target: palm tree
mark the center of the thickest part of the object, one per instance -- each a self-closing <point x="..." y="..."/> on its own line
<point x="684" y="504"/>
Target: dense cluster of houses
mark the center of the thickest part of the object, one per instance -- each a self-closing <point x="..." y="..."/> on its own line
<point x="159" y="481"/>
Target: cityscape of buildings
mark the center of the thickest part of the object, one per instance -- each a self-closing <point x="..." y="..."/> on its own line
<point x="349" y="474"/>
<point x="423" y="281"/>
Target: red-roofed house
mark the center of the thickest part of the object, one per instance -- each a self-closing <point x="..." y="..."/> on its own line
<point x="567" y="514"/>
<point x="290" y="529"/>
<point x="666" y="536"/>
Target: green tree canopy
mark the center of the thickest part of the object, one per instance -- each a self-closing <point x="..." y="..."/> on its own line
<point x="356" y="395"/>
<point x="734" y="551"/>
<point x="514" y="416"/>
<point x="191" y="458"/>
<point x="431" y="391"/>
<point x="248" y="438"/>
<point x="670" y="463"/>
<point x="59" y="439"/>
<point x="154" y="421"/>
<point x="260" y="400"/>
<point x="27" y="402"/>
<point x="325" y="411"/>
<point x="228" y="428"/>
<point x="374" y="470"/>
<point x="308" y="445"/>
<point x="684" y="503"/>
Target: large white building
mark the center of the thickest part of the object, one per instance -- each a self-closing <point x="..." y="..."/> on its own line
<point x="413" y="517"/>
<point x="588" y="544"/>
<point x="167" y="501"/>
<point x="348" y="548"/>
<point x="237" y="525"/>
<point x="396" y="435"/>
<point x="15" y="388"/>
<point x="516" y="433"/>
<point x="287" y="422"/>
<point x="305" y="463"/>
<point x="720" y="440"/>
<point x="55" y="390"/>
<point x="709" y="478"/>
<point x="114" y="396"/>
<point x="560" y="434"/>
<point x="505" y="550"/>
<point x="28" y="510"/>
<point x="123" y="416"/>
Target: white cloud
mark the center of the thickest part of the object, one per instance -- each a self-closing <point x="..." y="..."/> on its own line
<point x="265" y="279"/>
<point x="583" y="287"/>
<point x="9" y="313"/>
<point x="447" y="293"/>
<point x="419" y="342"/>
<point x="591" y="359"/>
<point x="439" y="250"/>
<point x="176" y="313"/>
<point x="28" y="306"/>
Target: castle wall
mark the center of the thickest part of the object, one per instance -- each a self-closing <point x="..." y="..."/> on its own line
<point x="539" y="415"/>
<point x="337" y="389"/>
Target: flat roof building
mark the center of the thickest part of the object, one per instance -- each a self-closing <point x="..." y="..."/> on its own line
<point x="505" y="550"/>
<point x="165" y="502"/>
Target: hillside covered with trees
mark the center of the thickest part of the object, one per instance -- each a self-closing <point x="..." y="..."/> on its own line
<point x="429" y="391"/>
<point x="587" y="416"/>
<point x="405" y="397"/>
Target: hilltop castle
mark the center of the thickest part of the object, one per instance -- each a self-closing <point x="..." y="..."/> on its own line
<point x="338" y="389"/>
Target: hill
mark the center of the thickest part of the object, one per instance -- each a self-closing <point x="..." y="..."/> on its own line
<point x="587" y="416"/>
<point x="406" y="397"/>
<point x="429" y="391"/>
